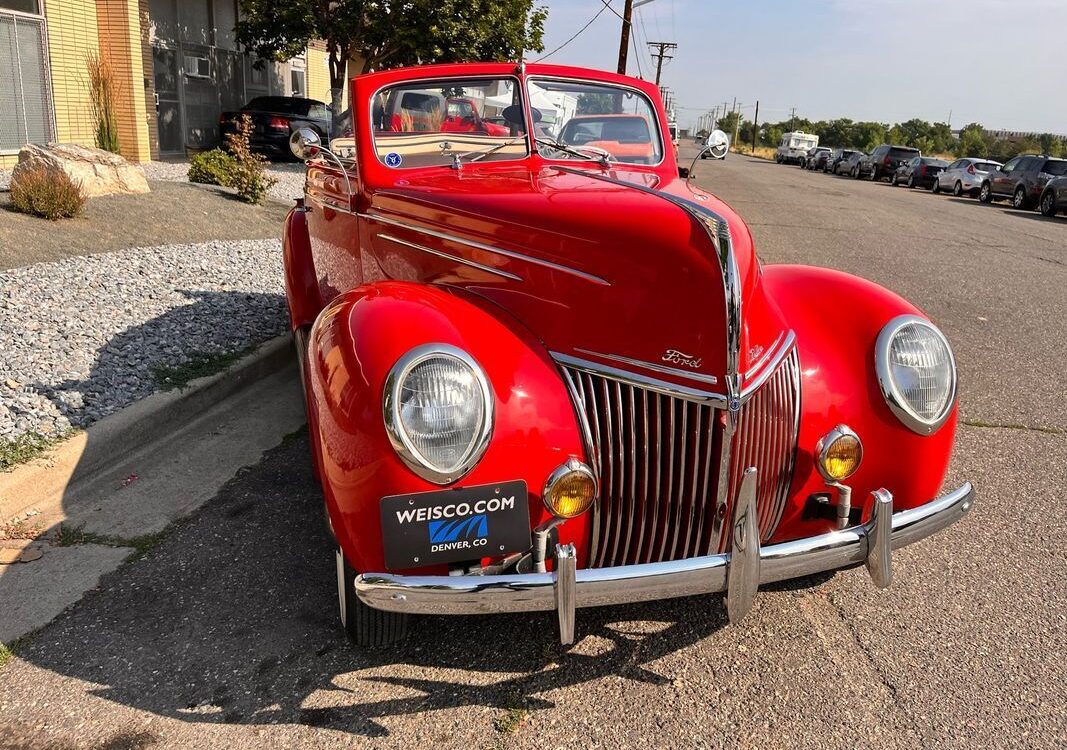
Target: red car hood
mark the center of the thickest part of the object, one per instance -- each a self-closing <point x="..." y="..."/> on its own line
<point x="609" y="273"/>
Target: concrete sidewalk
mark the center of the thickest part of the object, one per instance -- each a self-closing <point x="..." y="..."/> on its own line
<point x="110" y="491"/>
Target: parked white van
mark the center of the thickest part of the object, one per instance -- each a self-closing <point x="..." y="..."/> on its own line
<point x="794" y="147"/>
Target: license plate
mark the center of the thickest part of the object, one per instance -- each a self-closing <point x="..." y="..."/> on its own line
<point x="428" y="528"/>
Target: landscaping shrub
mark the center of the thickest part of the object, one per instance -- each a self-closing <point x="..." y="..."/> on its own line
<point x="102" y="101"/>
<point x="249" y="177"/>
<point x="214" y="167"/>
<point x="52" y="195"/>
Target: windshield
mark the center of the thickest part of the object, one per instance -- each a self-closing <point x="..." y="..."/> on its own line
<point x="592" y="119"/>
<point x="424" y="124"/>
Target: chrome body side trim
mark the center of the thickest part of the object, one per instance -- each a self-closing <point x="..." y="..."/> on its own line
<point x="446" y="256"/>
<point x="864" y="544"/>
<point x="688" y="374"/>
<point x="486" y="248"/>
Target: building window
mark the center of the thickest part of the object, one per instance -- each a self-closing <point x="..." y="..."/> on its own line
<point x="297" y="81"/>
<point x="25" y="98"/>
<point x="22" y="6"/>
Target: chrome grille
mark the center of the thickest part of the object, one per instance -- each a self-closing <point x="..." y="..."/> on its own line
<point x="657" y="456"/>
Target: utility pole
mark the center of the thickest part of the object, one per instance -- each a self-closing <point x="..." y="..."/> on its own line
<point x="792" y="116"/>
<point x="660" y="55"/>
<point x="624" y="42"/>
<point x="755" y="127"/>
<point x="737" y="125"/>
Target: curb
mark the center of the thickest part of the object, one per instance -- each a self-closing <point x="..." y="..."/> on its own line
<point x="131" y="429"/>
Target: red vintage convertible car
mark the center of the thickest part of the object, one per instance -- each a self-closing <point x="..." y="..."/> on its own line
<point x="545" y="375"/>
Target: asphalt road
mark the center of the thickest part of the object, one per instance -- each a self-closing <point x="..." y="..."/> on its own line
<point x="224" y="635"/>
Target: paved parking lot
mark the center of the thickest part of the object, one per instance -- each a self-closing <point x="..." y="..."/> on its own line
<point x="224" y="635"/>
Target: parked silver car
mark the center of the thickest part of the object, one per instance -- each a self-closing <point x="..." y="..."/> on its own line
<point x="964" y="176"/>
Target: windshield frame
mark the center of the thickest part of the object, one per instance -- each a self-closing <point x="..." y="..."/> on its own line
<point x="657" y="131"/>
<point x="430" y="83"/>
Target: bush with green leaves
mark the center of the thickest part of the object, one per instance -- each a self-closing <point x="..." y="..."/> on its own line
<point x="249" y="177"/>
<point x="49" y="194"/>
<point x="214" y="167"/>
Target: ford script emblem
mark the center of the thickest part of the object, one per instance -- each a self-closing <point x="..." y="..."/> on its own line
<point x="681" y="358"/>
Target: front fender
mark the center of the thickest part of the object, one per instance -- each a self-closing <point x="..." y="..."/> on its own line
<point x="354" y="343"/>
<point x="837" y="318"/>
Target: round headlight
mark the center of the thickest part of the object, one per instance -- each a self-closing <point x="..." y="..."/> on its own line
<point x="438" y="411"/>
<point x="838" y="454"/>
<point x="916" y="372"/>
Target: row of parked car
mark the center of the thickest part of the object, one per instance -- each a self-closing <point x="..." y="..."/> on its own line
<point x="1028" y="181"/>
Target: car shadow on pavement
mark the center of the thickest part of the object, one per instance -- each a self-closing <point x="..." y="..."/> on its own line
<point x="232" y="619"/>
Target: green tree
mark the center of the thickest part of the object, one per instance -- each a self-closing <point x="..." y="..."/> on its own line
<point x="727" y="122"/>
<point x="595" y="104"/>
<point x="972" y="142"/>
<point x="391" y="33"/>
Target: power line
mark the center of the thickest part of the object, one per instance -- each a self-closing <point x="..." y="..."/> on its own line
<point x="577" y="33"/>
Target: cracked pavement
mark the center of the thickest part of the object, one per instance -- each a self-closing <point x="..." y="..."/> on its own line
<point x="225" y="635"/>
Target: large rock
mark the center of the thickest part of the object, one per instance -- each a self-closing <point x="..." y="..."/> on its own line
<point x="98" y="172"/>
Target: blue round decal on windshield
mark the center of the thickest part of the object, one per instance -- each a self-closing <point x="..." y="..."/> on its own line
<point x="393" y="159"/>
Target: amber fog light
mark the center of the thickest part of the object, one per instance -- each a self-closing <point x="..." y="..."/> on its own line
<point x="838" y="454"/>
<point x="570" y="490"/>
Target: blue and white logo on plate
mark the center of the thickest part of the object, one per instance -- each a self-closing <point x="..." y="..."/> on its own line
<point x="471" y="527"/>
<point x="393" y="159"/>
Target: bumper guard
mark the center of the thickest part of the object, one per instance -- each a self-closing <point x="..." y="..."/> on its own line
<point x="738" y="573"/>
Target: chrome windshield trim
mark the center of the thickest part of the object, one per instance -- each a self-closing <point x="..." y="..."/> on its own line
<point x="487" y="248"/>
<point x="446" y="256"/>
<point x="688" y="374"/>
<point x="716" y="400"/>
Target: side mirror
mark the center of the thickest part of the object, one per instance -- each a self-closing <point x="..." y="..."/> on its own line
<point x="305" y="144"/>
<point x="718" y="144"/>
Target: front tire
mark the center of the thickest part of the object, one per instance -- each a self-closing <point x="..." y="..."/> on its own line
<point x="1048" y="203"/>
<point x="874" y="175"/>
<point x="985" y="193"/>
<point x="365" y="626"/>
<point x="893" y="181"/>
<point x="935" y="186"/>
<point x="911" y="182"/>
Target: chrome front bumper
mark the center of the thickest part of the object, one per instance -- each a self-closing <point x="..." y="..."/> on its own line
<point x="738" y="573"/>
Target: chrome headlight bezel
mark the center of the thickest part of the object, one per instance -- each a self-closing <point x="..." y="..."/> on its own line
<point x="891" y="392"/>
<point x="394" y="426"/>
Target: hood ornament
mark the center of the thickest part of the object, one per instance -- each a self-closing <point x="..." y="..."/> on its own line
<point x="681" y="358"/>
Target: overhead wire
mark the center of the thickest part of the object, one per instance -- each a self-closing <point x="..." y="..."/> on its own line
<point x="589" y="23"/>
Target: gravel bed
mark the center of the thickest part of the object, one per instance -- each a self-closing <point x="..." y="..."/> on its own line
<point x="290" y="176"/>
<point x="80" y="337"/>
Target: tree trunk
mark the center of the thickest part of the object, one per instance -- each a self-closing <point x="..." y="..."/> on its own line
<point x="338" y="55"/>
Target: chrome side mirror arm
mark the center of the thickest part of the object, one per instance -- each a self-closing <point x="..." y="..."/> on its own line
<point x="306" y="145"/>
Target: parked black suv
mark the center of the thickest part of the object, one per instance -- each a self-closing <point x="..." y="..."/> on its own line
<point x="1022" y="179"/>
<point x="883" y="161"/>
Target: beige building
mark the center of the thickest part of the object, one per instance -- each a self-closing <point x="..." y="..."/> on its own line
<point x="176" y="65"/>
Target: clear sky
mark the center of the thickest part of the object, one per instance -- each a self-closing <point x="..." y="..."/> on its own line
<point x="1002" y="63"/>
